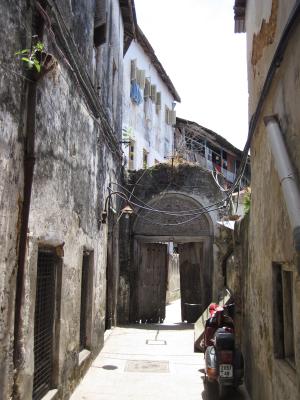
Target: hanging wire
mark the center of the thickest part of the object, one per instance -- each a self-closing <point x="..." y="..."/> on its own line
<point x="178" y="213"/>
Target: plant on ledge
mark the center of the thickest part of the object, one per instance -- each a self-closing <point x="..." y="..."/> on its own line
<point x="37" y="60"/>
<point x="32" y="58"/>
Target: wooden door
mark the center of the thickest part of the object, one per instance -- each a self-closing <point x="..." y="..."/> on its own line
<point x="191" y="280"/>
<point x="152" y="278"/>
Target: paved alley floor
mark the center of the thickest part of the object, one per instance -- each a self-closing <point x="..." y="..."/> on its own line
<point x="148" y="362"/>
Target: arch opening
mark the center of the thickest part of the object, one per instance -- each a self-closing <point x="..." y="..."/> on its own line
<point x="172" y="259"/>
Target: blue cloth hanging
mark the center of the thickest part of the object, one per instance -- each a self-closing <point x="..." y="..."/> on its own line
<point x="135" y="93"/>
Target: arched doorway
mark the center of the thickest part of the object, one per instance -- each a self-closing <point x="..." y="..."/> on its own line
<point x="153" y="235"/>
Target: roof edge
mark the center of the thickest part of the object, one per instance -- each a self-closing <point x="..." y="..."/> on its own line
<point x="144" y="42"/>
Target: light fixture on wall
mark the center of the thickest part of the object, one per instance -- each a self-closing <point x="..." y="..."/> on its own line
<point x="127" y="210"/>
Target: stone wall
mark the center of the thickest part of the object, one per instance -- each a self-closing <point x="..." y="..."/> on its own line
<point x="11" y="178"/>
<point x="186" y="186"/>
<point x="271" y="375"/>
<point x="76" y="158"/>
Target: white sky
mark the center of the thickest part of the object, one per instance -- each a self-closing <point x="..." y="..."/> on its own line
<point x="195" y="42"/>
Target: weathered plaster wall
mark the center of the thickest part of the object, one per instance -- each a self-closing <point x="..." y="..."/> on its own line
<point x="270" y="235"/>
<point x="73" y="168"/>
<point x="108" y="62"/>
<point x="11" y="176"/>
<point x="148" y="129"/>
<point x="184" y="181"/>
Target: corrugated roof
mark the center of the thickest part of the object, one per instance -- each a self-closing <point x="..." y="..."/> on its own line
<point x="239" y="16"/>
<point x="210" y="135"/>
<point x="148" y="49"/>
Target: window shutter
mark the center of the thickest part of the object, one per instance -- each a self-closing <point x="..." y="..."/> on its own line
<point x="133" y="70"/>
<point x="167" y="116"/>
<point x="153" y="93"/>
<point x="147" y="90"/>
<point x="100" y="22"/>
<point x="100" y="13"/>
<point x="172" y="117"/>
<point x="141" y="78"/>
<point x="158" y="101"/>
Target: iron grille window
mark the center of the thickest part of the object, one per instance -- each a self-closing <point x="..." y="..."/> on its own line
<point x="283" y="323"/>
<point x="44" y="324"/>
<point x="84" y="301"/>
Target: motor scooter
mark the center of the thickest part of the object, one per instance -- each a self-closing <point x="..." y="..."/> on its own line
<point x="224" y="365"/>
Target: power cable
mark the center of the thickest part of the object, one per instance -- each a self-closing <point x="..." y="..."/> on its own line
<point x="178" y="213"/>
<point x="178" y="223"/>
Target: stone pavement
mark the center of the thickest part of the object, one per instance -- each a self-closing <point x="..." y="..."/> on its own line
<point x="148" y="362"/>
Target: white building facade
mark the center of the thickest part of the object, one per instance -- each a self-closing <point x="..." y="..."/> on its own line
<point x="149" y="100"/>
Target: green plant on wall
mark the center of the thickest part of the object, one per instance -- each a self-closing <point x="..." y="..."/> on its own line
<point x="32" y="57"/>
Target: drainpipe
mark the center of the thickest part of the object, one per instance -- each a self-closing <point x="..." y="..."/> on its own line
<point x="29" y="161"/>
<point x="286" y="174"/>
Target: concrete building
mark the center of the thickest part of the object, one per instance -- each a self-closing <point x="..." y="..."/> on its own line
<point x="59" y="151"/>
<point x="149" y="100"/>
<point x="269" y="268"/>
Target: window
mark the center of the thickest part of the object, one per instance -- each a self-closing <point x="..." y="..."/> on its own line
<point x="131" y="155"/>
<point x="147" y="90"/>
<point x="115" y="82"/>
<point x="283" y="323"/>
<point x="100" y="23"/>
<point x="84" y="303"/>
<point x="145" y="159"/>
<point x="158" y="102"/>
<point x="153" y="93"/>
<point x="46" y="316"/>
<point x="170" y="116"/>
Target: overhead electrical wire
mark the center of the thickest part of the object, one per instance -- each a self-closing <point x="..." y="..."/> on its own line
<point x="179" y="223"/>
<point x="178" y="213"/>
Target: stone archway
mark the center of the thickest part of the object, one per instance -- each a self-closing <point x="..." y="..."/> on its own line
<point x="152" y="231"/>
<point x="173" y="188"/>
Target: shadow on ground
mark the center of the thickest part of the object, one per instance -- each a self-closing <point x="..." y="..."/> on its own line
<point x="211" y="392"/>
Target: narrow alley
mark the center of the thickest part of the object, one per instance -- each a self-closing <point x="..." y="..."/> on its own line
<point x="149" y="361"/>
<point x="149" y="200"/>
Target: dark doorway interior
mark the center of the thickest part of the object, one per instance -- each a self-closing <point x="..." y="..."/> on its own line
<point x="111" y="272"/>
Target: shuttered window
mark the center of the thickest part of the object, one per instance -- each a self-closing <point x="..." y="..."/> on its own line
<point x="100" y="22"/>
<point x="44" y="324"/>
<point x="84" y="301"/>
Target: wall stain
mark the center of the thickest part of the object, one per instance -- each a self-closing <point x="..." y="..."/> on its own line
<point x="266" y="35"/>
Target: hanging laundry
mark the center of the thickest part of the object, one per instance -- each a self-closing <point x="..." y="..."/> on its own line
<point x="135" y="93"/>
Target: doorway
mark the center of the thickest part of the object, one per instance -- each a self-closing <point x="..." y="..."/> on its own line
<point x="158" y="276"/>
<point x="152" y="282"/>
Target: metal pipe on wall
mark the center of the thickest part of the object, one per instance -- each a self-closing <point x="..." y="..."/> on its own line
<point x="286" y="174"/>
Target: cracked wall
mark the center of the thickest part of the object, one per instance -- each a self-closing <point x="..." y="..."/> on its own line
<point x="74" y="165"/>
<point x="269" y="376"/>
